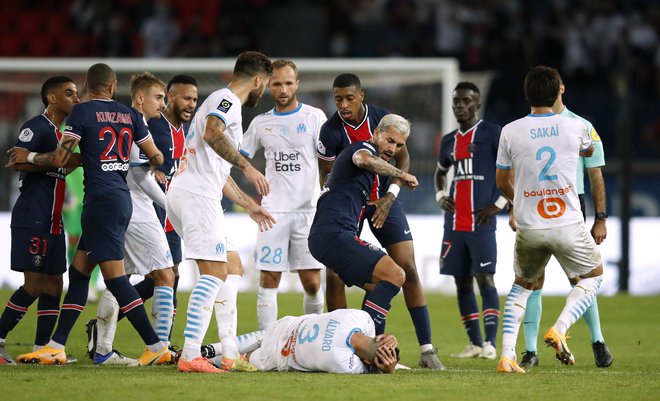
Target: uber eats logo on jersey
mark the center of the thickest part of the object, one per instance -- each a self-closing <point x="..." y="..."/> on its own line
<point x="287" y="161"/>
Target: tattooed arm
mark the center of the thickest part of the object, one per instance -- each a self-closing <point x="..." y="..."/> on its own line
<point x="58" y="158"/>
<point x="368" y="161"/>
<point x="214" y="136"/>
<point x="260" y="215"/>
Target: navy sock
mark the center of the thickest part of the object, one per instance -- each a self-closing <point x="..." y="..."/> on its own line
<point x="145" y="290"/>
<point x="422" y="322"/>
<point x="176" y="284"/>
<point x="72" y="306"/>
<point x="491" y="312"/>
<point x="48" y="309"/>
<point x="132" y="306"/>
<point x="377" y="304"/>
<point x="18" y="304"/>
<point x="467" y="305"/>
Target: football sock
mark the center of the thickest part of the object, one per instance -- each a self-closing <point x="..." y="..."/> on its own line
<point x="225" y="315"/>
<point x="145" y="290"/>
<point x="313" y="303"/>
<point x="72" y="306"/>
<point x="467" y="306"/>
<point x="48" y="309"/>
<point x="592" y="318"/>
<point x="250" y="341"/>
<point x="174" y="302"/>
<point x="491" y="312"/>
<point x="132" y="306"/>
<point x="514" y="310"/>
<point x="200" y="306"/>
<point x="532" y="320"/>
<point x="266" y="307"/>
<point x="162" y="309"/>
<point x="106" y="322"/>
<point x="17" y="306"/>
<point x="377" y="304"/>
<point x="577" y="302"/>
<point x="422" y="323"/>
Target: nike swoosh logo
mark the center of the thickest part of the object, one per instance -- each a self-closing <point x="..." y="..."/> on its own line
<point x="54" y="355"/>
<point x="406" y="232"/>
<point x="482" y="264"/>
<point x="221" y="302"/>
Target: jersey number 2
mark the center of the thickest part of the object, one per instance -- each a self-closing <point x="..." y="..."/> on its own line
<point x="543" y="176"/>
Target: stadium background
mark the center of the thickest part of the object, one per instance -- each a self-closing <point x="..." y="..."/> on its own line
<point x="608" y="53"/>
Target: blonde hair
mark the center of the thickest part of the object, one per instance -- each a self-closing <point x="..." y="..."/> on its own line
<point x="394" y="121"/>
<point x="143" y="82"/>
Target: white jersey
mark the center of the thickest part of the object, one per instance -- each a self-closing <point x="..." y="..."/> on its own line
<point x="543" y="150"/>
<point x="321" y="343"/>
<point x="143" y="206"/>
<point x="289" y="141"/>
<point x="201" y="170"/>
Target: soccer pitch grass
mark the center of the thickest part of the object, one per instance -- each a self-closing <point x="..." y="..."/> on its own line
<point x="631" y="331"/>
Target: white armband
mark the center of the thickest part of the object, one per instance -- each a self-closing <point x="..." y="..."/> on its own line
<point x="439" y="195"/>
<point x="501" y="202"/>
<point x="30" y="157"/>
<point x="394" y="189"/>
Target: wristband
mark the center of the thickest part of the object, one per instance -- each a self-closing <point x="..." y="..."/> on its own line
<point x="30" y="157"/>
<point x="439" y="195"/>
<point x="394" y="189"/>
<point x="501" y="202"/>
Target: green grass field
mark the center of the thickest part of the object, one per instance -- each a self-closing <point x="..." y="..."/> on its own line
<point x="630" y="325"/>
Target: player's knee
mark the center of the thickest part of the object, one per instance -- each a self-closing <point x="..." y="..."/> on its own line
<point x="53" y="286"/>
<point x="397" y="276"/>
<point x="269" y="279"/>
<point x="485" y="280"/>
<point x="464" y="284"/>
<point x="163" y="277"/>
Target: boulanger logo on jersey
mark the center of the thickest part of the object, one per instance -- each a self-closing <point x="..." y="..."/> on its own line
<point x="551" y="206"/>
<point x="287" y="161"/>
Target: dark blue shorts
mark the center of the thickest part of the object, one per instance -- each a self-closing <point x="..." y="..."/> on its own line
<point x="173" y="238"/>
<point x="465" y="254"/>
<point x="36" y="250"/>
<point x="104" y="222"/>
<point x="351" y="258"/>
<point x="395" y="229"/>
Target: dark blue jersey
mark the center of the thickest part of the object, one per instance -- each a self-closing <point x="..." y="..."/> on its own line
<point x="106" y="130"/>
<point x="347" y="191"/>
<point x="472" y="154"/>
<point x="170" y="141"/>
<point x="39" y="204"/>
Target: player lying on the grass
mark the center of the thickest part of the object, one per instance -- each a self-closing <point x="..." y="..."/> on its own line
<point x="341" y="341"/>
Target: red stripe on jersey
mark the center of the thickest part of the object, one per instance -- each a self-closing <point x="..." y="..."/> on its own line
<point x="58" y="202"/>
<point x="360" y="133"/>
<point x="488" y="312"/>
<point x="463" y="189"/>
<point x="178" y="140"/>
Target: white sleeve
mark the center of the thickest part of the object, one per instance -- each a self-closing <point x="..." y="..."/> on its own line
<point x="148" y="184"/>
<point x="250" y="143"/>
<point x="585" y="138"/>
<point x="503" y="157"/>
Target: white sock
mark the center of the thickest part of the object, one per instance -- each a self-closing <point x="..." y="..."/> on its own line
<point x="226" y="316"/>
<point x="266" y="307"/>
<point x="162" y="310"/>
<point x="199" y="312"/>
<point x="514" y="311"/>
<point x="313" y="303"/>
<point x="106" y="322"/>
<point x="577" y="302"/>
<point x="425" y="347"/>
<point x="250" y="341"/>
<point x="55" y="345"/>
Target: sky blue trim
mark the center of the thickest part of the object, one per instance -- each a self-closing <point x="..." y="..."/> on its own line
<point x="286" y="113"/>
<point x="348" y="338"/>
<point x="501" y="167"/>
<point x="217" y="115"/>
<point x="541" y="115"/>
<point x="244" y="153"/>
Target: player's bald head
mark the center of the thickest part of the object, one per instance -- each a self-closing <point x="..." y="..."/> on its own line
<point x="100" y="76"/>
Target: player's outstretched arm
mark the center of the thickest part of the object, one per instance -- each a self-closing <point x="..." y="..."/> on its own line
<point x="368" y="161"/>
<point x="148" y="184"/>
<point x="58" y="158"/>
<point x="402" y="162"/>
<point x="214" y="136"/>
<point x="150" y="150"/>
<point x="260" y="215"/>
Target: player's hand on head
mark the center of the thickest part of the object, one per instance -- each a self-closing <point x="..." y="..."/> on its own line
<point x="385" y="359"/>
<point x="386" y="340"/>
<point x="17" y="156"/>
<point x="257" y="179"/>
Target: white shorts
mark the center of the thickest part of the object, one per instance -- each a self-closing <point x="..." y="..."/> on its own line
<point x="572" y="245"/>
<point x="201" y="224"/>
<point x="146" y="248"/>
<point x="269" y="356"/>
<point x="284" y="247"/>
